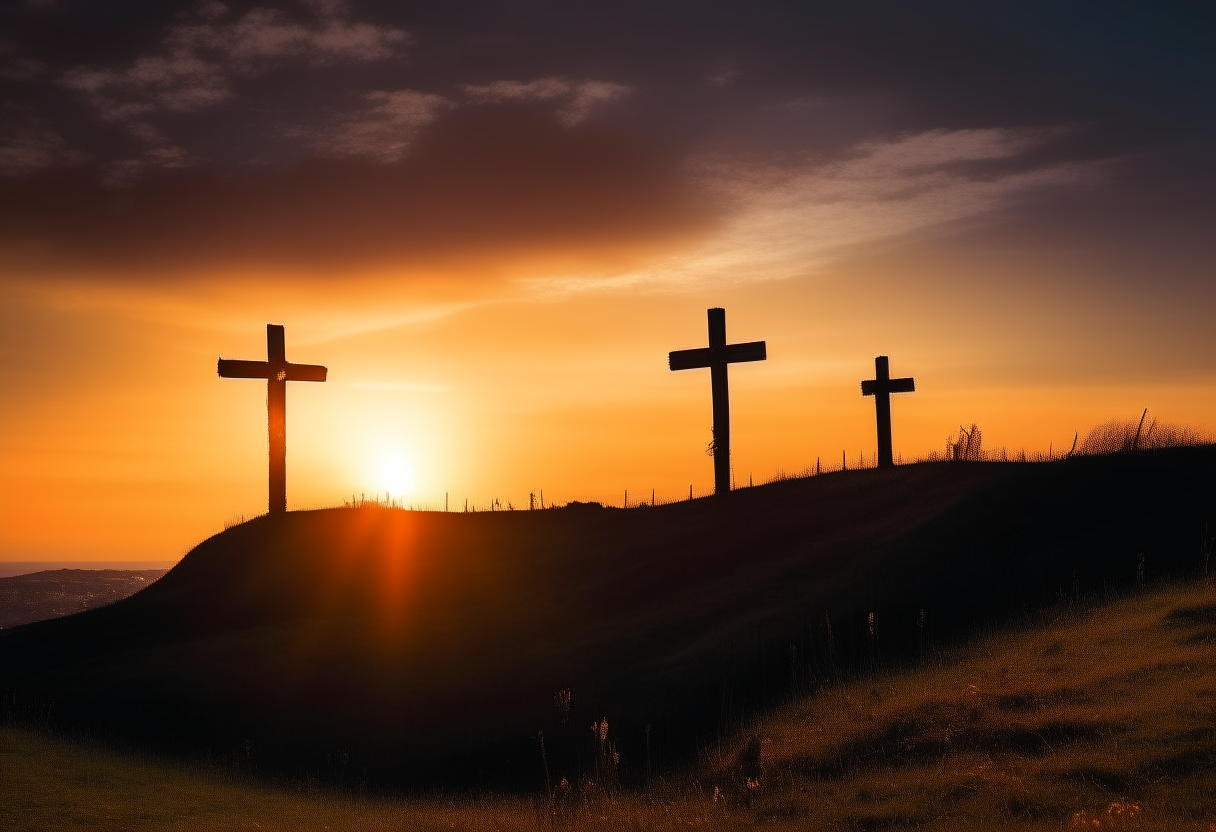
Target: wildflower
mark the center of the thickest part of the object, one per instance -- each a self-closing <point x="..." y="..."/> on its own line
<point x="1081" y="820"/>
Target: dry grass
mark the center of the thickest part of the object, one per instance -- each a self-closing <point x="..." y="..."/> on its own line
<point x="1146" y="433"/>
<point x="1104" y="719"/>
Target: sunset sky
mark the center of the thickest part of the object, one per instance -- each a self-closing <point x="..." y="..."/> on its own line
<point x="491" y="222"/>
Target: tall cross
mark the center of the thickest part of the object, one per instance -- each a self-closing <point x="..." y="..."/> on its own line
<point x="716" y="357"/>
<point x="277" y="372"/>
<point x="881" y="387"/>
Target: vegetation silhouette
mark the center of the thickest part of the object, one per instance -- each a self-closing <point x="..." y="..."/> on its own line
<point x="426" y="647"/>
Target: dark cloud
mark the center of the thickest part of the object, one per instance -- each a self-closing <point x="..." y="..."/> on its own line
<point x="288" y="131"/>
<point x="506" y="180"/>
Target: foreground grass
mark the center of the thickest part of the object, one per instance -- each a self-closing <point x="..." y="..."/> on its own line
<point x="1103" y="719"/>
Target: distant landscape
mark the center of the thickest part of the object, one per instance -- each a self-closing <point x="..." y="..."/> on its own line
<point x="36" y="596"/>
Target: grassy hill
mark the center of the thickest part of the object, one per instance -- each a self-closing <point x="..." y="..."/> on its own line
<point x="1096" y="718"/>
<point x="416" y="647"/>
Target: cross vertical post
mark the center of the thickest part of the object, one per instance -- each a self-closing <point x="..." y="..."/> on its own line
<point x="881" y="387"/>
<point x="721" y="402"/>
<point x="276" y="416"/>
<point x="716" y="357"/>
<point x="277" y="371"/>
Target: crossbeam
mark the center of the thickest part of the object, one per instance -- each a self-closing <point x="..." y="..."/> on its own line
<point x="716" y="357"/>
<point x="706" y="356"/>
<point x="277" y="371"/>
<point x="881" y="387"/>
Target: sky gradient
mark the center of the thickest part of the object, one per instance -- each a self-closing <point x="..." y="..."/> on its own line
<point x="492" y="221"/>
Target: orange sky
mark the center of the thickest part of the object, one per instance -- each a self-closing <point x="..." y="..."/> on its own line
<point x="120" y="442"/>
<point x="493" y="227"/>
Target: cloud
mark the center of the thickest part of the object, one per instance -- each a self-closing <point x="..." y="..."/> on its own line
<point x="480" y="189"/>
<point x="14" y="66"/>
<point x="28" y="145"/>
<point x="790" y="219"/>
<point x="200" y="58"/>
<point x="380" y="128"/>
<point x="578" y="98"/>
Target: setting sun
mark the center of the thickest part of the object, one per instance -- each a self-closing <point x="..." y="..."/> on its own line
<point x="396" y="475"/>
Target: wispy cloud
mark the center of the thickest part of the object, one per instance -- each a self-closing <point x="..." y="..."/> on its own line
<point x="576" y="98"/>
<point x="381" y="127"/>
<point x="28" y="144"/>
<point x="16" y="66"/>
<point x="786" y="220"/>
<point x="200" y="58"/>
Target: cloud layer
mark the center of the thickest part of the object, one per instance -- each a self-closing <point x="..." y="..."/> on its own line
<point x="576" y="98"/>
<point x="478" y="184"/>
<point x="199" y="58"/>
<point x="790" y="218"/>
<point x="753" y="139"/>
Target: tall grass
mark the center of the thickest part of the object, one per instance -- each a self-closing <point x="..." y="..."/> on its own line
<point x="1122" y="437"/>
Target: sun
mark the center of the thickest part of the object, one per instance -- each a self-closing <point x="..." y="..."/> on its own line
<point x="396" y="474"/>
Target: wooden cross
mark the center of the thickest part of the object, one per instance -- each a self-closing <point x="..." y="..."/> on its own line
<point x="277" y="373"/>
<point x="881" y="387"/>
<point x="716" y="357"/>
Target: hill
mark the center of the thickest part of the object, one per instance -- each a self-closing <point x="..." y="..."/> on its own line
<point x="1094" y="718"/>
<point x="430" y="647"/>
<point x="51" y="593"/>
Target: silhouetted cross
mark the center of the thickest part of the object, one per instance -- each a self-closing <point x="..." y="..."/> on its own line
<point x="277" y="373"/>
<point x="716" y="357"/>
<point x="881" y="387"/>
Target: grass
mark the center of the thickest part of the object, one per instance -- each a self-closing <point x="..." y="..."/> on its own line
<point x="1104" y="719"/>
<point x="1097" y="719"/>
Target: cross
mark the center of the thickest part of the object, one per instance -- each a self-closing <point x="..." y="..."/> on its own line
<point x="716" y="357"/>
<point x="881" y="387"/>
<point x="277" y="373"/>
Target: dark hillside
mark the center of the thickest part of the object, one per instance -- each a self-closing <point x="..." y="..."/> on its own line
<point x="419" y="647"/>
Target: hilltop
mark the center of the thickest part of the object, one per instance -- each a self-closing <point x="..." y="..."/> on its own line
<point x="428" y="647"/>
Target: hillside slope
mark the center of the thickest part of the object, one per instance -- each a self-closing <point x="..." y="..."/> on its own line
<point x="1098" y="718"/>
<point x="429" y="646"/>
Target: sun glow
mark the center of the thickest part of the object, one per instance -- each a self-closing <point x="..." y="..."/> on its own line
<point x="396" y="474"/>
